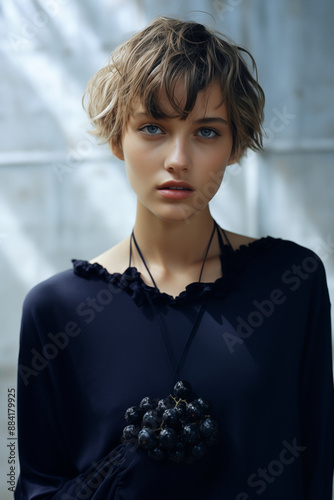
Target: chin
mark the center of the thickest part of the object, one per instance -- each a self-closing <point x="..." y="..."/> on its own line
<point x="177" y="214"/>
<point x="171" y="212"/>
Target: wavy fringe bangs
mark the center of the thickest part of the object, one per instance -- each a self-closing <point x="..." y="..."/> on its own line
<point x="164" y="54"/>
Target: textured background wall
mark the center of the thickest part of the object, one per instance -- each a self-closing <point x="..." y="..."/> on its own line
<point x="62" y="197"/>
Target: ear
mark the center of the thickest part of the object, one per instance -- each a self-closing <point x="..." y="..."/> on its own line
<point x="234" y="158"/>
<point x="231" y="160"/>
<point x="117" y="150"/>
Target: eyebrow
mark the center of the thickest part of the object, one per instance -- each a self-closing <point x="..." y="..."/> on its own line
<point x="204" y="120"/>
<point x="212" y="119"/>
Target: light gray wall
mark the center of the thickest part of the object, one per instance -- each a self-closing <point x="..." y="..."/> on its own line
<point x="62" y="197"/>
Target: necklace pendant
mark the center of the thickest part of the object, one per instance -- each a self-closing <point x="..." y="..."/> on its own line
<point x="177" y="428"/>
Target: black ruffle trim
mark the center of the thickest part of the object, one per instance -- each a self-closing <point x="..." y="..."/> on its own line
<point x="131" y="282"/>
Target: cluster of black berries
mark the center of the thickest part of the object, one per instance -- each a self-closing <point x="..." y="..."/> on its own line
<point x="176" y="428"/>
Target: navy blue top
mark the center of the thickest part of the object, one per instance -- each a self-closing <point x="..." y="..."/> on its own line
<point x="91" y="347"/>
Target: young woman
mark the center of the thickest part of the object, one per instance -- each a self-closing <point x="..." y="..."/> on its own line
<point x="216" y="347"/>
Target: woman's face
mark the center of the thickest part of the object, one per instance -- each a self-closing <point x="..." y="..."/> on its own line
<point x="176" y="166"/>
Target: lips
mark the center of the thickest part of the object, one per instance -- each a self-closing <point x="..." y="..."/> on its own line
<point x="174" y="190"/>
<point x="175" y="185"/>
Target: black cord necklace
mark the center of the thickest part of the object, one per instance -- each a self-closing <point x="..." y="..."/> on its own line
<point x="178" y="427"/>
<point x="215" y="228"/>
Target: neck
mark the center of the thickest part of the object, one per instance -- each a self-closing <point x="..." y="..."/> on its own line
<point x="173" y="245"/>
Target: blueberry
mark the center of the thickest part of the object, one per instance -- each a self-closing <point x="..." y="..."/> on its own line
<point x="147" y="438"/>
<point x="171" y="418"/>
<point x="203" y="403"/>
<point x="147" y="404"/>
<point x="191" y="434"/>
<point x="130" y="433"/>
<point x="199" y="450"/>
<point x="184" y="421"/>
<point x="181" y="409"/>
<point x="182" y="389"/>
<point x="168" y="438"/>
<point x="195" y="411"/>
<point x="133" y="415"/>
<point x="151" y="419"/>
<point x="164" y="404"/>
<point x="209" y="428"/>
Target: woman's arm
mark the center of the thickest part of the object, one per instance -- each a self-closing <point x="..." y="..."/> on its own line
<point x="47" y="467"/>
<point x="317" y="401"/>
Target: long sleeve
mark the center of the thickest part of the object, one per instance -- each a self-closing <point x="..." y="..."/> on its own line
<point x="317" y="403"/>
<point x="47" y="470"/>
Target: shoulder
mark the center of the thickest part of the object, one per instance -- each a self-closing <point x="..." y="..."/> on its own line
<point x="292" y="253"/>
<point x="278" y="255"/>
<point x="292" y="262"/>
<point x="238" y="240"/>
<point x="48" y="294"/>
<point x="286" y="248"/>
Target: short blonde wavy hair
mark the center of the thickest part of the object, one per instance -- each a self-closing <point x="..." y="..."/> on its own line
<point x="167" y="52"/>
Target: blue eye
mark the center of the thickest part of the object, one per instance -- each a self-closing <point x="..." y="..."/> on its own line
<point x="207" y="133"/>
<point x="151" y="130"/>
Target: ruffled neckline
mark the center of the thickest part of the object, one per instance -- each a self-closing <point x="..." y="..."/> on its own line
<point x="132" y="283"/>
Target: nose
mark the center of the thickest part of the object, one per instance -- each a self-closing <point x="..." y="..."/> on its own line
<point x="178" y="156"/>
